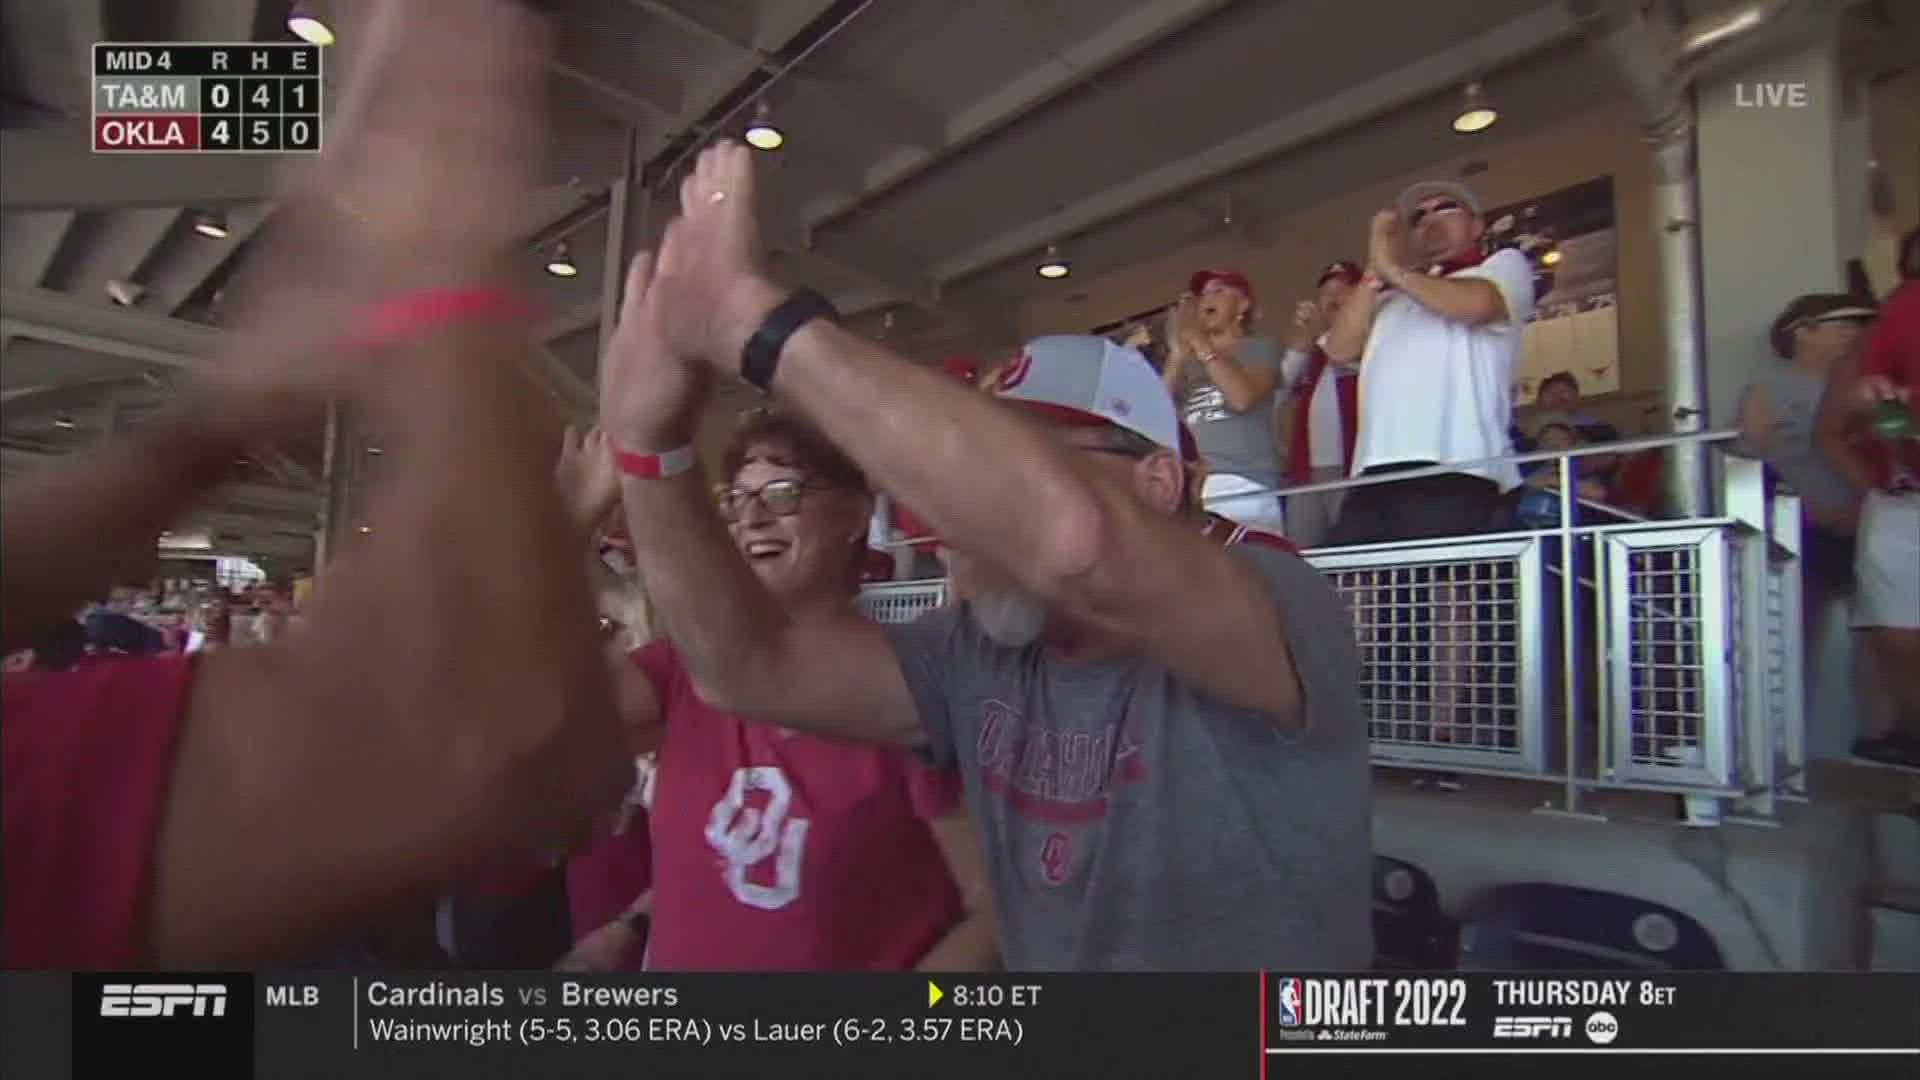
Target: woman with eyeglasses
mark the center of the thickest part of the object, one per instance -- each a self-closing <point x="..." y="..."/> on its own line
<point x="773" y="849"/>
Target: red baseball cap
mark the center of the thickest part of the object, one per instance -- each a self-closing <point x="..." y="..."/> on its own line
<point x="1233" y="279"/>
<point x="967" y="371"/>
<point x="1344" y="269"/>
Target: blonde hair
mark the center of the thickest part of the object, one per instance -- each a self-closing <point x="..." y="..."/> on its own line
<point x="623" y="598"/>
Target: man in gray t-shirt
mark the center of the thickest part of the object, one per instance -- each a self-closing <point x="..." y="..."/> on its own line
<point x="1134" y="823"/>
<point x="1162" y="728"/>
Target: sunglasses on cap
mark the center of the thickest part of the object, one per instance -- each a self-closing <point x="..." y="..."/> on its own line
<point x="1441" y="206"/>
<point x="781" y="498"/>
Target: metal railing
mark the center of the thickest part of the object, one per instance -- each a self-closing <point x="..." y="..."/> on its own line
<point x="1662" y="655"/>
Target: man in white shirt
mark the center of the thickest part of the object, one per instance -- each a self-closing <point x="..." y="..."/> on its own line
<point x="1322" y="403"/>
<point x="1438" y="328"/>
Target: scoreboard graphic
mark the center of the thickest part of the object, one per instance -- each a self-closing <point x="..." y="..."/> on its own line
<point x="242" y="98"/>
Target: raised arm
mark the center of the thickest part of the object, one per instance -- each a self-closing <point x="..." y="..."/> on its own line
<point x="446" y="706"/>
<point x="974" y="468"/>
<point x="1347" y="336"/>
<point x="745" y="654"/>
<point x="1244" y="381"/>
<point x="1470" y="300"/>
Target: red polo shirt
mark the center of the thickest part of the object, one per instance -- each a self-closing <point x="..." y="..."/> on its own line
<point x="86" y="762"/>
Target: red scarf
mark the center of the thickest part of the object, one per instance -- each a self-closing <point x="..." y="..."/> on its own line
<point x="1228" y="533"/>
<point x="1448" y="267"/>
<point x="1347" y="386"/>
<point x="1463" y="261"/>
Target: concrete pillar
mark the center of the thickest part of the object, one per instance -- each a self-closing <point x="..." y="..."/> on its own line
<point x="627" y="214"/>
<point x="1784" y="151"/>
<point x="333" y="505"/>
<point x="1783" y="201"/>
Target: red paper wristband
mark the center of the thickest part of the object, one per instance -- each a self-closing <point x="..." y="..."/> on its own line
<point x="654" y="466"/>
<point x="404" y="316"/>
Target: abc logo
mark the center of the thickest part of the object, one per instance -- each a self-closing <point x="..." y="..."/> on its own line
<point x="1602" y="1028"/>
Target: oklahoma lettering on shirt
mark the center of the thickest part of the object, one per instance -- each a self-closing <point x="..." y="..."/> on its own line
<point x="1438" y="391"/>
<point x="1134" y="823"/>
<point x="779" y="851"/>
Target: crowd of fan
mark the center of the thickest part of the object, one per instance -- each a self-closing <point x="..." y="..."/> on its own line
<point x="1136" y="742"/>
<point x="167" y="616"/>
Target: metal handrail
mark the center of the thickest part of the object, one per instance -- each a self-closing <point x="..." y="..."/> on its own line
<point x="1623" y="446"/>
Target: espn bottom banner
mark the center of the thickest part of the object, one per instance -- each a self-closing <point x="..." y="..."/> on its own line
<point x="476" y="1025"/>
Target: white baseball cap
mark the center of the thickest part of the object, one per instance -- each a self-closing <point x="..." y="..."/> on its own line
<point x="1427" y="189"/>
<point x="1082" y="379"/>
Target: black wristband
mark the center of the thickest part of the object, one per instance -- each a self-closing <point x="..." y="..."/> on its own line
<point x="762" y="352"/>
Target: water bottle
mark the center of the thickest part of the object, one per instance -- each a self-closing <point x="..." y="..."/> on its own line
<point x="1892" y="420"/>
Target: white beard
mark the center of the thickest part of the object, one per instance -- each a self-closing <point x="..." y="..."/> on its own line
<point x="1010" y="618"/>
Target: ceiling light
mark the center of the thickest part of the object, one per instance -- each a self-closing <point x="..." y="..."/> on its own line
<point x="1551" y="258"/>
<point x="64" y="423"/>
<point x="304" y="26"/>
<point x="1053" y="267"/>
<point x="562" y="265"/>
<point x="1476" y="112"/>
<point x="212" y="224"/>
<point x="125" y="293"/>
<point x="374" y="450"/>
<point x="762" y="134"/>
<point x="366" y="528"/>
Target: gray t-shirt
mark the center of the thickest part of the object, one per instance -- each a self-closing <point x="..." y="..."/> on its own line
<point x="1795" y="399"/>
<point x="1240" y="444"/>
<point x="1134" y="824"/>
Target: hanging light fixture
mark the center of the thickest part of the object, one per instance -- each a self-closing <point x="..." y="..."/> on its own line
<point x="125" y="293"/>
<point x="1476" y="112"/>
<point x="762" y="134"/>
<point x="211" y="224"/>
<point x="1551" y="257"/>
<point x="302" y="23"/>
<point x="1053" y="267"/>
<point x="562" y="264"/>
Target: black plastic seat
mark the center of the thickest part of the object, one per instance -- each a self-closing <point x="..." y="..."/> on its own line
<point x="1543" y="927"/>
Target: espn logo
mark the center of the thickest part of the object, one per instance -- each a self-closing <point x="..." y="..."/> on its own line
<point x="1532" y="1027"/>
<point x="163" y="999"/>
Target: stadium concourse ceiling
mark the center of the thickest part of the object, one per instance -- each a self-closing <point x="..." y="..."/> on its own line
<point x="933" y="150"/>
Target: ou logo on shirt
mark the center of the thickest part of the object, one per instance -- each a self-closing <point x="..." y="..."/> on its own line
<point x="746" y="836"/>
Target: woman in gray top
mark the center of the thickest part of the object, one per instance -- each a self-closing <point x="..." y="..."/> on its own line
<point x="1224" y="381"/>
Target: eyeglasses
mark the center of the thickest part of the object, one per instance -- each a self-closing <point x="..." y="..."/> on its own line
<point x="780" y="497"/>
<point x="1444" y="206"/>
<point x="1131" y="455"/>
